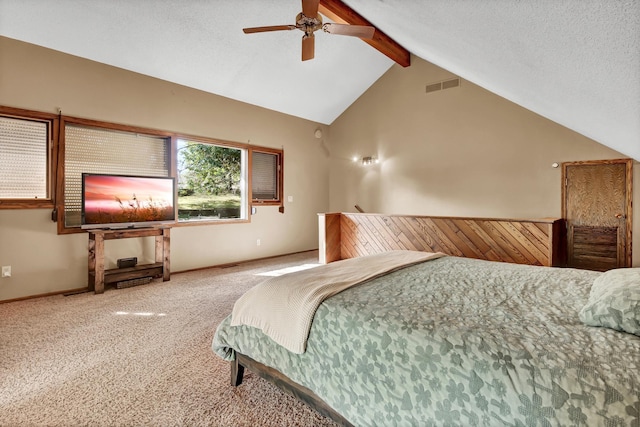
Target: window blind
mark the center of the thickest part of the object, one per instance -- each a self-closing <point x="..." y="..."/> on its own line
<point x="23" y="159"/>
<point x="97" y="150"/>
<point x="264" y="176"/>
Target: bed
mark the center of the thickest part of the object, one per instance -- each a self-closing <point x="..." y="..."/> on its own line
<point x="452" y="340"/>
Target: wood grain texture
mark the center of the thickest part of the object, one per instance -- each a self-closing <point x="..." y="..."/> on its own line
<point x="98" y="276"/>
<point x="596" y="203"/>
<point x="594" y="248"/>
<point x="534" y="242"/>
<point x="329" y="237"/>
<point x="339" y="12"/>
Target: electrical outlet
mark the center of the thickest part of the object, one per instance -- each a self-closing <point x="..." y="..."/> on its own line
<point x="6" y="271"/>
<point x="258" y="242"/>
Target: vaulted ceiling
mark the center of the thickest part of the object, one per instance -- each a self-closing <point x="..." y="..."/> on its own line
<point x="576" y="62"/>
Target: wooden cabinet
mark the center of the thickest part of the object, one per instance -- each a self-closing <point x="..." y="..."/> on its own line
<point x="98" y="276"/>
<point x="597" y="205"/>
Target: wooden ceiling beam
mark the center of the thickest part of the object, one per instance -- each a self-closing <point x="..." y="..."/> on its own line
<point x="343" y="14"/>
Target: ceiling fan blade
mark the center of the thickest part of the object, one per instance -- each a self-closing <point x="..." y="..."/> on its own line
<point x="271" y="28"/>
<point x="310" y="8"/>
<point x="362" y="31"/>
<point x="308" y="47"/>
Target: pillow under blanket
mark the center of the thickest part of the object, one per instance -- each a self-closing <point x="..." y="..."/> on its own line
<point x="614" y="301"/>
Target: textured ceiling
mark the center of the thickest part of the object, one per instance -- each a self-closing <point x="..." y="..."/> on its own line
<point x="200" y="44"/>
<point x="576" y="62"/>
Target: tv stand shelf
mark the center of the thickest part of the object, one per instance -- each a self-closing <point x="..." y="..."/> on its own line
<point x="98" y="276"/>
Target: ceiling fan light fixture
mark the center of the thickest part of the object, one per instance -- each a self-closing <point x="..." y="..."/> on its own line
<point x="308" y="25"/>
<point x="309" y="21"/>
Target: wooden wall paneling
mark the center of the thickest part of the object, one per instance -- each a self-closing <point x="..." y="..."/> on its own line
<point x="376" y="223"/>
<point x="368" y="237"/>
<point x="542" y="235"/>
<point x="529" y="243"/>
<point x="453" y="240"/>
<point x="522" y="245"/>
<point x="406" y="239"/>
<point x="459" y="240"/>
<point x="375" y="240"/>
<point x="499" y="246"/>
<point x="440" y="238"/>
<point x="412" y="233"/>
<point x="329" y="237"/>
<point x="334" y="235"/>
<point x="447" y="237"/>
<point x="535" y="236"/>
<point x="500" y="239"/>
<point x="495" y="252"/>
<point x="458" y="226"/>
<point x="535" y="242"/>
<point x="387" y="223"/>
<point x="465" y="227"/>
<point x="349" y="247"/>
<point x="415" y="240"/>
<point x="356" y="238"/>
<point x="419" y="241"/>
<point x="422" y="233"/>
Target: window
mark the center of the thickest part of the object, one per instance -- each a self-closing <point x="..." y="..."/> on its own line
<point x="211" y="182"/>
<point x="25" y="164"/>
<point x="95" y="149"/>
<point x="266" y="176"/>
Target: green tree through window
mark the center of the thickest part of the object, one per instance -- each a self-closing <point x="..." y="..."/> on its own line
<point x="210" y="181"/>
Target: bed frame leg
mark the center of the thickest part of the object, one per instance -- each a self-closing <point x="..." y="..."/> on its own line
<point x="237" y="372"/>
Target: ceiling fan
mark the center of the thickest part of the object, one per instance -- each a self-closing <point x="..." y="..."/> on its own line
<point x="308" y="21"/>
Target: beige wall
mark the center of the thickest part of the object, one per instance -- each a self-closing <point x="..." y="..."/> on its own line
<point x="458" y="152"/>
<point x="40" y="79"/>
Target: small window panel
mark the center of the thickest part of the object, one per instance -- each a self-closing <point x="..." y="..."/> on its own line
<point x="24" y="161"/>
<point x="266" y="176"/>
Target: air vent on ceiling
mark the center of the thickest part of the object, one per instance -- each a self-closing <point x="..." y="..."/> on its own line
<point x="442" y="85"/>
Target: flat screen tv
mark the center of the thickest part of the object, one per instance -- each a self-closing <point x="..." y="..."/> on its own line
<point x="127" y="201"/>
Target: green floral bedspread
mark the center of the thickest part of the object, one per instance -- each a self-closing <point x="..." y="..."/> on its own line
<point x="461" y="342"/>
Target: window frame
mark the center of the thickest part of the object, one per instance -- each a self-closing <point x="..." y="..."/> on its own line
<point x="279" y="177"/>
<point x="221" y="143"/>
<point x="53" y="126"/>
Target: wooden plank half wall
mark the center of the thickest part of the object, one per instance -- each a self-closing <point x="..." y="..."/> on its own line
<point x="534" y="242"/>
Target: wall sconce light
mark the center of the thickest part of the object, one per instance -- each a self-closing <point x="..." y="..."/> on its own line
<point x="369" y="160"/>
<point x="365" y="161"/>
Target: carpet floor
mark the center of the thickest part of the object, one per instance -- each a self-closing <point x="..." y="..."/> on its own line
<point x="138" y="356"/>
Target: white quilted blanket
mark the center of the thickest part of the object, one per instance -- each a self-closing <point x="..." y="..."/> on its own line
<point x="283" y="307"/>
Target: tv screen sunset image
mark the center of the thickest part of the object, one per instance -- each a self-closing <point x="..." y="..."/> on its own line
<point x="124" y="199"/>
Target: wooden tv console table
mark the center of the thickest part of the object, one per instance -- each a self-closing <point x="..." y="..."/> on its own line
<point x="98" y="276"/>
